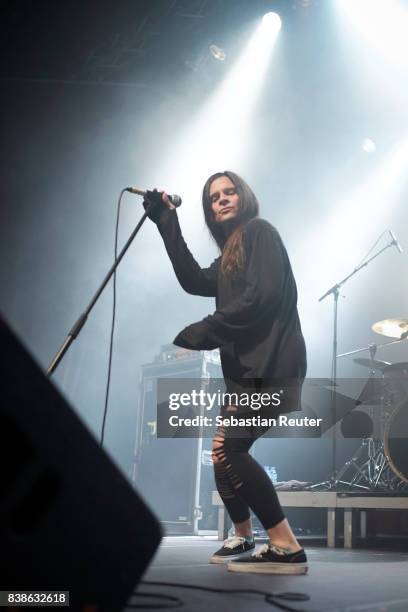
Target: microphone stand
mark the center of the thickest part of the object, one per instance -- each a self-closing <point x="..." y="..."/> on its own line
<point x="335" y="291"/>
<point x="78" y="325"/>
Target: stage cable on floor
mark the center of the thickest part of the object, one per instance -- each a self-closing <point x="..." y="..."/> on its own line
<point x="271" y="598"/>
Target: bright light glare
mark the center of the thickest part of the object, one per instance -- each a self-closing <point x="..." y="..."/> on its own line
<point x="217" y="137"/>
<point x="383" y="24"/>
<point x="271" y="22"/>
<point x="368" y="145"/>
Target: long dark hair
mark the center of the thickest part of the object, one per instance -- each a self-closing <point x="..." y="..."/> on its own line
<point x="231" y="247"/>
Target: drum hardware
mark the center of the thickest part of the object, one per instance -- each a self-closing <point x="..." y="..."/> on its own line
<point x="380" y="464"/>
<point x="370" y="469"/>
<point x="372" y="394"/>
<point x="396" y="442"/>
<point x="372" y="364"/>
<point x="400" y="367"/>
<point x="372" y="348"/>
<point x="357" y="424"/>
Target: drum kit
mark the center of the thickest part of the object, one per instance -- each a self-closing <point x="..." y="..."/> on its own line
<point x="381" y="461"/>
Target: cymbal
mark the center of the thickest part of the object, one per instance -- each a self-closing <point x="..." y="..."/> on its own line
<point x="400" y="367"/>
<point x="393" y="328"/>
<point x="375" y="364"/>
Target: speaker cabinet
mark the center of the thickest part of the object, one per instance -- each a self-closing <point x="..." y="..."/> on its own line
<point x="69" y="520"/>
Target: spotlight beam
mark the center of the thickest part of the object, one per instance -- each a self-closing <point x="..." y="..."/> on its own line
<point x="383" y="24"/>
<point x="218" y="135"/>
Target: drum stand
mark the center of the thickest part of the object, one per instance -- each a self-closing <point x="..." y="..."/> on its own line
<point x="371" y="469"/>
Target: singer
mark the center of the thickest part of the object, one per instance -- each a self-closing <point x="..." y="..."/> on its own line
<point x="257" y="328"/>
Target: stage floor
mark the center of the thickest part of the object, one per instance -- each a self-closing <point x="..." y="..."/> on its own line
<point x="338" y="579"/>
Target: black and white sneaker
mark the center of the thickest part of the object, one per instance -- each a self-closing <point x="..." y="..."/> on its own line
<point x="270" y="559"/>
<point x="233" y="548"/>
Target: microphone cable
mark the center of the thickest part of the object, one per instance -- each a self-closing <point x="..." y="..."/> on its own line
<point x="108" y="381"/>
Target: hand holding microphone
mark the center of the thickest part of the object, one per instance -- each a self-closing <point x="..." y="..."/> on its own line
<point x="156" y="202"/>
<point x="168" y="200"/>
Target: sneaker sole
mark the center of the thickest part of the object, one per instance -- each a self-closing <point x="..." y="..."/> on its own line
<point x="228" y="558"/>
<point x="269" y="568"/>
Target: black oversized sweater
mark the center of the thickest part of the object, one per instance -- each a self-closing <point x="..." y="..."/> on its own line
<point x="256" y="323"/>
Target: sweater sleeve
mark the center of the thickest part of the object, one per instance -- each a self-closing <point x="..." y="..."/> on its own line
<point x="264" y="283"/>
<point x="193" y="278"/>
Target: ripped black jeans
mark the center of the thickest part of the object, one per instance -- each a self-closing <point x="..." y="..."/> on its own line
<point x="241" y="482"/>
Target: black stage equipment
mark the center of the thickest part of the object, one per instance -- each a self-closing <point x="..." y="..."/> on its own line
<point x="175" y="474"/>
<point x="69" y="520"/>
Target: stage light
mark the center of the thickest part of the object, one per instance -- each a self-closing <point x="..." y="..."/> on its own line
<point x="368" y="145"/>
<point x="227" y="112"/>
<point x="218" y="53"/>
<point x="272" y="22"/>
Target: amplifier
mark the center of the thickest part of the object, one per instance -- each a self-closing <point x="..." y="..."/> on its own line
<point x="175" y="475"/>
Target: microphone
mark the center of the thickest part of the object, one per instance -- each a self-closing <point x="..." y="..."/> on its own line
<point x="395" y="241"/>
<point x="174" y="199"/>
